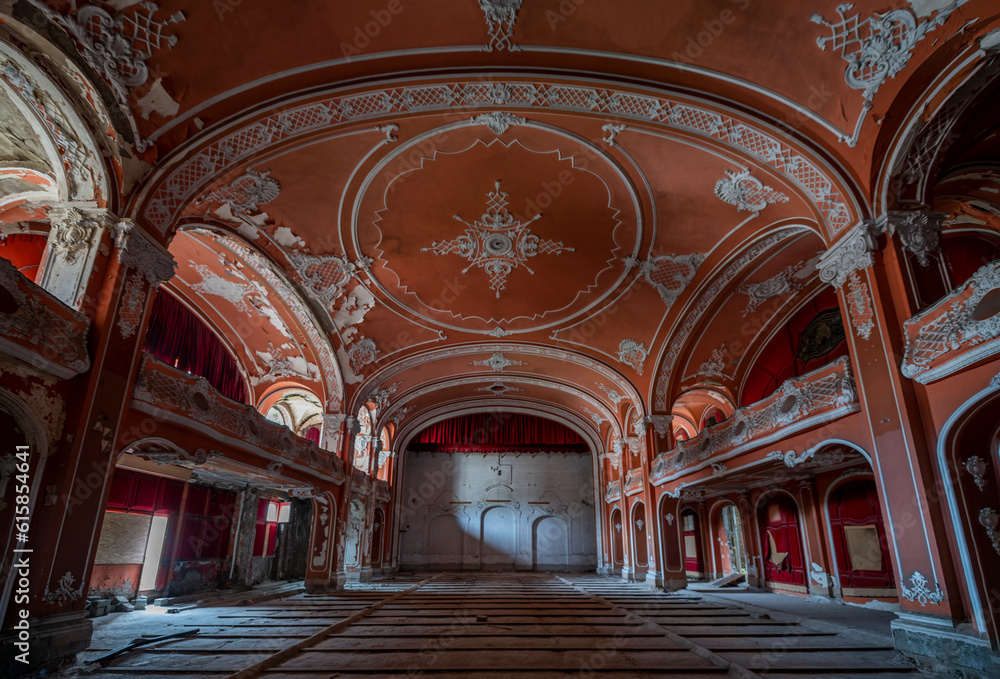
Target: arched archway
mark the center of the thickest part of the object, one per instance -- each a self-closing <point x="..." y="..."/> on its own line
<point x="498" y="539"/>
<point x="550" y="544"/>
<point x="638" y="533"/>
<point x="861" y="551"/>
<point x="694" y="562"/>
<point x="617" y="543"/>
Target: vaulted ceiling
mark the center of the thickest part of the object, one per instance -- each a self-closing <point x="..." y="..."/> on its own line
<point x="574" y="208"/>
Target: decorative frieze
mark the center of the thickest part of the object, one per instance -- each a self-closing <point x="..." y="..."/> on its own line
<point x="961" y="329"/>
<point x="801" y="402"/>
<point x="498" y="121"/>
<point x="501" y="15"/>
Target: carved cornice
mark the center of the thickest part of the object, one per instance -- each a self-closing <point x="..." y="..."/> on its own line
<point x="73" y="232"/>
<point x="851" y="253"/>
<point x="136" y="250"/>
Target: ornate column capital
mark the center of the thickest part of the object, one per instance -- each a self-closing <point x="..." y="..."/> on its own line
<point x="918" y="230"/>
<point x="333" y="421"/>
<point x="137" y="250"/>
<point x="851" y="253"/>
<point x="661" y="423"/>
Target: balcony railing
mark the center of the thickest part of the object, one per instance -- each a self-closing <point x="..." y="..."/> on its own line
<point x="382" y="492"/>
<point x="960" y="330"/>
<point x="191" y="402"/>
<point x="613" y="492"/>
<point x="633" y="482"/>
<point x="38" y="329"/>
<point x="801" y="402"/>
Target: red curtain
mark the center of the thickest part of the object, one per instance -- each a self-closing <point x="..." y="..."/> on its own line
<point x="490" y="430"/>
<point x="178" y="337"/>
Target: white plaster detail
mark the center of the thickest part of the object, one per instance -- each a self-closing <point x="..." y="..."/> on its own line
<point x="782" y="283"/>
<point x="860" y="305"/>
<point x="324" y="276"/>
<point x="71" y="233"/>
<point x="501" y="15"/>
<point x="245" y="194"/>
<point x="851" y="253"/>
<point x="117" y="47"/>
<point x="612" y="131"/>
<point x="65" y="592"/>
<point x="498" y="121"/>
<point x="976" y="466"/>
<point x="818" y="575"/>
<point x="670" y="519"/>
<point x="498" y="332"/>
<point x="718" y="469"/>
<point x="747" y="192"/>
<point x="988" y="519"/>
<point x="615" y="397"/>
<point x="919" y="231"/>
<point x="138" y="251"/>
<point x="918" y="591"/>
<point x="498" y="362"/>
<point x="498" y="388"/>
<point x="132" y="305"/>
<point x="389" y="131"/>
<point x="668" y="274"/>
<point x="661" y="423"/>
<point x="497" y="243"/>
<point x="632" y="353"/>
<point x="876" y="48"/>
<point x="362" y="353"/>
<point x="720" y="358"/>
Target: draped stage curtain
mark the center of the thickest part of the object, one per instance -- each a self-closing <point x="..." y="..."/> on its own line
<point x="497" y="431"/>
<point x="178" y="337"/>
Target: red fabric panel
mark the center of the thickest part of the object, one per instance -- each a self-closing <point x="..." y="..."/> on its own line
<point x="178" y="337"/>
<point x="489" y="430"/>
<point x="313" y="434"/>
<point x="23" y="251"/>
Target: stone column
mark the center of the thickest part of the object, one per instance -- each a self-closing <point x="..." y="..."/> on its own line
<point x="818" y="564"/>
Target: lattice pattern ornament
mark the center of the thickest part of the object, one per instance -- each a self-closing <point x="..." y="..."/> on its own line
<point x="876" y="48"/>
<point x="118" y="46"/>
<point x="747" y="192"/>
<point x="216" y="159"/>
<point x="133" y="305"/>
<point x="324" y="276"/>
<point x="860" y="305"/>
<point x="361" y="353"/>
<point x="497" y="242"/>
<point x="668" y="274"/>
<point x="632" y="353"/>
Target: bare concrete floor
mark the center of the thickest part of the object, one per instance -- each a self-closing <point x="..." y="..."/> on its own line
<point x="496" y="626"/>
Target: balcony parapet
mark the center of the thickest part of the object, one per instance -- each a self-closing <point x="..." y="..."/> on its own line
<point x="38" y="329"/>
<point x="633" y="482"/>
<point x="820" y="396"/>
<point x="361" y="483"/>
<point x="961" y="329"/>
<point x="382" y="492"/>
<point x="613" y="491"/>
<point x="193" y="404"/>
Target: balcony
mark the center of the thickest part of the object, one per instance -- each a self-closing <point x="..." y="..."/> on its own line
<point x="633" y="482"/>
<point x="613" y="492"/>
<point x="382" y="493"/>
<point x="961" y="329"/>
<point x="193" y="404"/>
<point x="802" y="402"/>
<point x="38" y="329"/>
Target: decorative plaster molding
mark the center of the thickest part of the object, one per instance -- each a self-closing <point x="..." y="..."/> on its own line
<point x="381" y="397"/>
<point x="497" y="243"/>
<point x="851" y="253"/>
<point x="782" y="283"/>
<point x="988" y="519"/>
<point x="138" y="251"/>
<point x="719" y="469"/>
<point x="959" y="330"/>
<point x="716" y="365"/>
<point x="670" y="519"/>
<point x="65" y="593"/>
<point x="747" y="192"/>
<point x="247" y="141"/>
<point x="918" y="230"/>
<point x="498" y="362"/>
<point x="918" y="591"/>
<point x="612" y="131"/>
<point x="389" y="131"/>
<point x="132" y="307"/>
<point x="118" y="47"/>
<point x="613" y="491"/>
<point x="859" y="303"/>
<point x="245" y="194"/>
<point x="498" y="121"/>
<point x="632" y="353"/>
<point x="668" y="274"/>
<point x="661" y="423"/>
<point x="633" y="482"/>
<point x="977" y="466"/>
<point x="501" y="15"/>
<point x="72" y="232"/>
<point x="498" y="388"/>
<point x="362" y="353"/>
<point x="876" y="48"/>
<point x="995" y="382"/>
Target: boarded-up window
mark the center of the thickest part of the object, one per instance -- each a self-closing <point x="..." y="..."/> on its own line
<point x="863" y="547"/>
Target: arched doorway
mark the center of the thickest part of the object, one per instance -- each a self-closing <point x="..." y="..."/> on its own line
<point x="378" y="537"/>
<point x="969" y="455"/>
<point x="864" y="568"/>
<point x="617" y="545"/>
<point x="640" y="551"/>
<point x="550" y="544"/>
<point x="729" y="548"/>
<point x="499" y="539"/>
<point x="694" y="564"/>
<point x="781" y="544"/>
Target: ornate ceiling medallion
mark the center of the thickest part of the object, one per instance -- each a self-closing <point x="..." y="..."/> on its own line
<point x="497" y="242"/>
<point x="747" y="192"/>
<point x="498" y="362"/>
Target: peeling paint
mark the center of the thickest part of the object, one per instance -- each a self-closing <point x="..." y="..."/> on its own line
<point x="159" y="101"/>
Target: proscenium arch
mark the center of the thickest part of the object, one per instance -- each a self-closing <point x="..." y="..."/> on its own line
<point x="174" y="185"/>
